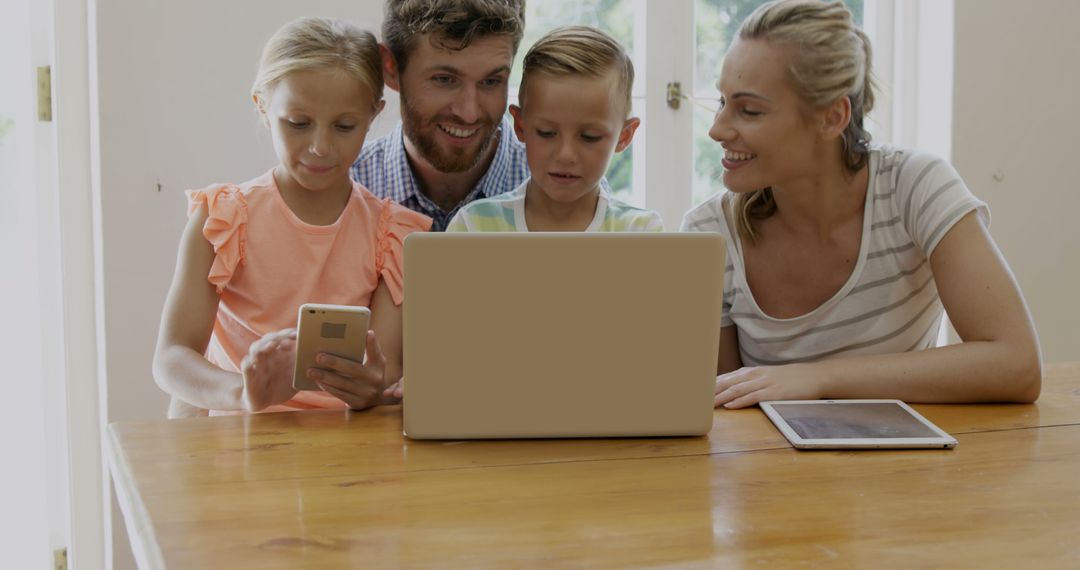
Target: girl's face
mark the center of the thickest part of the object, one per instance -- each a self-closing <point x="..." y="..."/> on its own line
<point x="767" y="131"/>
<point x="318" y="121"/>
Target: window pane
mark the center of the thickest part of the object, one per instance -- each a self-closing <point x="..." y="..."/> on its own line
<point x="616" y="17"/>
<point x="707" y="154"/>
<point x="716" y="22"/>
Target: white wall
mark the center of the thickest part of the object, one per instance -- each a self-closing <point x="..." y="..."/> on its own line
<point x="173" y="81"/>
<point x="32" y="516"/>
<point x="1016" y="135"/>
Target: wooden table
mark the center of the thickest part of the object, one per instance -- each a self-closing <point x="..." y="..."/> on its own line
<point x="339" y="490"/>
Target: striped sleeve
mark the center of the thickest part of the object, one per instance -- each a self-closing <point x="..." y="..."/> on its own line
<point x="932" y="198"/>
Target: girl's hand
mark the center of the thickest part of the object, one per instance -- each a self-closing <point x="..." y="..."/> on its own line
<point x="268" y="370"/>
<point x="359" y="385"/>
<point x="396" y="391"/>
<point x="751" y="385"/>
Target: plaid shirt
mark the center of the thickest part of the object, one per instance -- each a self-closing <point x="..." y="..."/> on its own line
<point x="384" y="169"/>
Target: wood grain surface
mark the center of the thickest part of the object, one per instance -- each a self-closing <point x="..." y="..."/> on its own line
<point x="332" y="489"/>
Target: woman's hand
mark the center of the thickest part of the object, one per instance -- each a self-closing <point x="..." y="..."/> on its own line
<point x="360" y="385"/>
<point x="268" y="370"/>
<point x="751" y="385"/>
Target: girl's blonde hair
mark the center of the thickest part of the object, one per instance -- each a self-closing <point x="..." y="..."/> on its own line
<point x="309" y="44"/>
<point x="830" y="59"/>
<point x="580" y="51"/>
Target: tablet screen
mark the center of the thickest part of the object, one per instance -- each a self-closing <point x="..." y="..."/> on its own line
<point x="863" y="420"/>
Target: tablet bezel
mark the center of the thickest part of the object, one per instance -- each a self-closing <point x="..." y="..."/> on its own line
<point x="943" y="441"/>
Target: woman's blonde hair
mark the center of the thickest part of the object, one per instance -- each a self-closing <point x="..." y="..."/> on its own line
<point x="830" y="59"/>
<point x="580" y="51"/>
<point x="309" y="44"/>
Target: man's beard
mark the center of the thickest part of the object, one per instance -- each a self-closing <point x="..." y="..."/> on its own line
<point x="459" y="159"/>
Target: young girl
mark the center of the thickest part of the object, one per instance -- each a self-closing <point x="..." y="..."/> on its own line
<point x="252" y="253"/>
<point x="842" y="254"/>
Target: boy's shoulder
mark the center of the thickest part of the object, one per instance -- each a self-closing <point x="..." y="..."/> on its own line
<point x="496" y="203"/>
<point x="619" y="206"/>
<point x="623" y="216"/>
<point x="496" y="213"/>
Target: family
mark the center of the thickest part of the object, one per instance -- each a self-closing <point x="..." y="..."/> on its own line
<point x="844" y="255"/>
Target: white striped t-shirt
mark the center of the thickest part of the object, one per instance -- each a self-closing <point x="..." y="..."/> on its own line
<point x="890" y="303"/>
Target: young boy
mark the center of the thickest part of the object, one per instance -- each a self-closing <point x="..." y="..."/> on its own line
<point x="574" y="114"/>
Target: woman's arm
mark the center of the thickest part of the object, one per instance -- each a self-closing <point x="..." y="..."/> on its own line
<point x="998" y="360"/>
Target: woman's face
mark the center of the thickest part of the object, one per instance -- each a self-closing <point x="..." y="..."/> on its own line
<point x="766" y="129"/>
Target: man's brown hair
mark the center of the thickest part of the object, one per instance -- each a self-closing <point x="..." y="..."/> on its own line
<point x="450" y="24"/>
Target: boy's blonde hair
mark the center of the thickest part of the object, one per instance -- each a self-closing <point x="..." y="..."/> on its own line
<point x="310" y="44"/>
<point x="580" y="51"/>
<point x="830" y="59"/>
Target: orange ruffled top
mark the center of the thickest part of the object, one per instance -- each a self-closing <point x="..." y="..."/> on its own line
<point x="268" y="262"/>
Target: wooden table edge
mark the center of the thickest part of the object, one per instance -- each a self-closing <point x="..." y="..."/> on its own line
<point x="143" y="541"/>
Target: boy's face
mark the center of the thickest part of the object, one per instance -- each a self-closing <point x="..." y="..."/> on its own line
<point x="571" y="126"/>
<point x="452" y="101"/>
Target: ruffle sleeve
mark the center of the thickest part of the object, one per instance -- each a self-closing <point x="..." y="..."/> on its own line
<point x="395" y="222"/>
<point x="225" y="228"/>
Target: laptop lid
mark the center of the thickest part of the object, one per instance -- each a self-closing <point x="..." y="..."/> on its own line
<point x="518" y="335"/>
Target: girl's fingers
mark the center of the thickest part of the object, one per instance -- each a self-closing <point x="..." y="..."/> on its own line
<point x="373" y="352"/>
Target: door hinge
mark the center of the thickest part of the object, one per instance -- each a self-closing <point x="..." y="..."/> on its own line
<point x="59" y="557"/>
<point x="44" y="93"/>
<point x="674" y="94"/>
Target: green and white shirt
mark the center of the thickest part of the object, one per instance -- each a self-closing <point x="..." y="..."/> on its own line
<point x="506" y="213"/>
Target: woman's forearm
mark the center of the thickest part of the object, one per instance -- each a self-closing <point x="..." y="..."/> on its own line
<point x="975" y="371"/>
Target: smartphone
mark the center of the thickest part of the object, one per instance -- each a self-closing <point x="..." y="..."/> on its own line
<point x="340" y="330"/>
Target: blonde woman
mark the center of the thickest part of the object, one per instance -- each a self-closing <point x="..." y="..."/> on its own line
<point x="303" y="232"/>
<point x="845" y="254"/>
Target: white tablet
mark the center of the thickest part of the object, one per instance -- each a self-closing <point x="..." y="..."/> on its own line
<point x="854" y="424"/>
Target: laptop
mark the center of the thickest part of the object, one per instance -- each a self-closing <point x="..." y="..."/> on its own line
<point x="551" y="335"/>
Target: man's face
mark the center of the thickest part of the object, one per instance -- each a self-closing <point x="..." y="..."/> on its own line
<point x="452" y="101"/>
